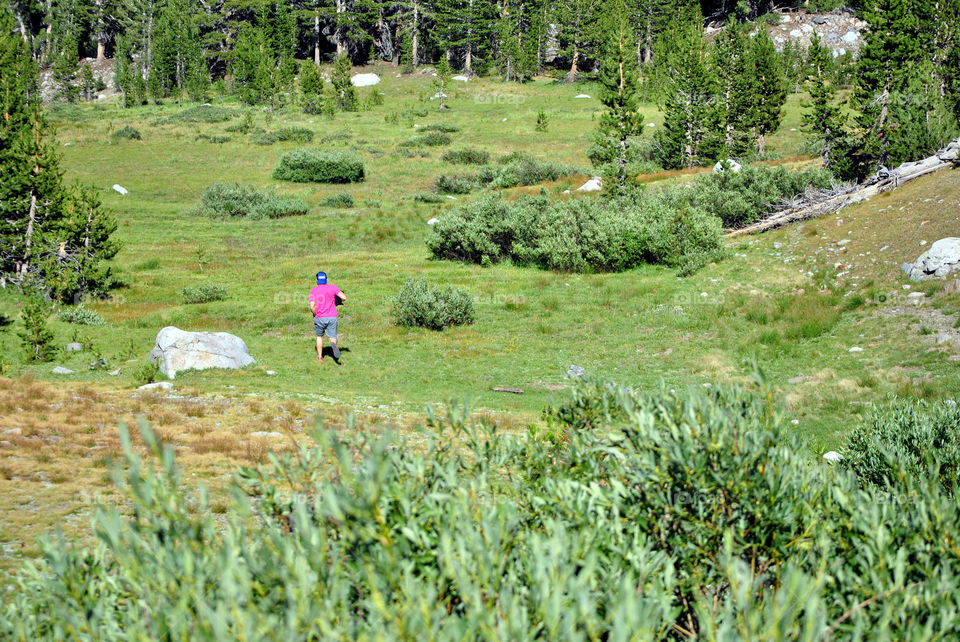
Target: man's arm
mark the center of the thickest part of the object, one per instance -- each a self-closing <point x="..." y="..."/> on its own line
<point x="341" y="295"/>
<point x="313" y="307"/>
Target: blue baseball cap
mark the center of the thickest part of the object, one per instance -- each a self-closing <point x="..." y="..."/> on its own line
<point x="321" y="278"/>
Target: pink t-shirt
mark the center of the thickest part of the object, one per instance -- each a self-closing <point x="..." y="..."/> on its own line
<point x="325" y="298"/>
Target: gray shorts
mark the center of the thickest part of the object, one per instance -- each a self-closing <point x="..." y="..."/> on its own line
<point x="325" y="325"/>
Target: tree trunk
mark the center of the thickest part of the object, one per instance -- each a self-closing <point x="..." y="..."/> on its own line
<point x="28" y="238"/>
<point x="572" y="76"/>
<point x="414" y="38"/>
<point x="338" y="33"/>
<point x="101" y="48"/>
<point x="468" y="59"/>
<point x="316" y="39"/>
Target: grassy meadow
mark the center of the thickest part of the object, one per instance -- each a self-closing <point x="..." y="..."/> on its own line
<point x="793" y="301"/>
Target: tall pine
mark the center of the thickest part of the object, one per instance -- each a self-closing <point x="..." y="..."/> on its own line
<point x="823" y="118"/>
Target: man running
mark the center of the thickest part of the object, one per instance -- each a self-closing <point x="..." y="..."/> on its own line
<point x="323" y="304"/>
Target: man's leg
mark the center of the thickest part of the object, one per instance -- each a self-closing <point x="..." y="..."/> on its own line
<point x="332" y="335"/>
<point x="320" y="347"/>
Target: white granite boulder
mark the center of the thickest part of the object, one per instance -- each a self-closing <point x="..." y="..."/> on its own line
<point x="178" y="350"/>
<point x="364" y="80"/>
<point x="941" y="260"/>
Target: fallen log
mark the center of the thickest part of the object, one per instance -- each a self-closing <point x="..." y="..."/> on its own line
<point x="884" y="181"/>
<point x="516" y="391"/>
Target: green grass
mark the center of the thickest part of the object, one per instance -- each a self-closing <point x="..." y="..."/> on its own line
<point x="636" y="328"/>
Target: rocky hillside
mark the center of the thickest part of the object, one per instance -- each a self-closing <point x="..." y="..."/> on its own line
<point x="841" y="32"/>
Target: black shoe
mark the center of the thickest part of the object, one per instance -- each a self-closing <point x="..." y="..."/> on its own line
<point x="336" y="352"/>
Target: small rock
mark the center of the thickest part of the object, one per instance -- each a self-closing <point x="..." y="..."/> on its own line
<point x="114" y="373"/>
<point x="582" y="96"/>
<point x="730" y="164"/>
<point x="796" y="380"/>
<point x="452" y="198"/>
<point x="160" y="385"/>
<point x="433" y="221"/>
<point x="944" y="338"/>
<point x="461" y="78"/>
<point x="12" y="432"/>
<point x="62" y="370"/>
<point x="651" y="124"/>
<point x="831" y="456"/>
<point x="855" y="349"/>
<point x="574" y="372"/>
<point x="593" y="185"/>
<point x="364" y="80"/>
<point x="73" y="347"/>
<point x="916" y="295"/>
<point x="263" y="433"/>
<point x="271" y="373"/>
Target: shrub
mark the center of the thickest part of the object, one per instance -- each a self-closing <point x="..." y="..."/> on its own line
<point x="233" y="199"/>
<point x="522" y="169"/>
<point x="430" y="139"/>
<point x="427" y="197"/>
<point x="306" y="165"/>
<point x="203" y="293"/>
<point x="79" y="315"/>
<point x="440" y="127"/>
<point x="217" y="140"/>
<point x="264" y="138"/>
<point x="340" y="201"/>
<point x="295" y="134"/>
<point x="688" y="514"/>
<point x="145" y="373"/>
<point x="36" y="337"/>
<point x="578" y="235"/>
<point x="420" y="304"/>
<point x="466" y="156"/>
<point x="744" y="197"/>
<point x="455" y="184"/>
<point x="913" y="437"/>
<point x="202" y="114"/>
<point x="127" y="132"/>
<point x="242" y="127"/>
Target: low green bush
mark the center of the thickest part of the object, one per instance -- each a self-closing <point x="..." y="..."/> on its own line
<point x="79" y="315"/>
<point x="519" y="168"/>
<point x="203" y="293"/>
<point x="651" y="515"/>
<point x="579" y="235"/>
<point x="128" y="133"/>
<point x="340" y="201"/>
<point x="202" y="114"/>
<point x="430" y="139"/>
<point x="215" y="139"/>
<point x="318" y="166"/>
<point x="264" y="138"/>
<point x="440" y="127"/>
<point x="145" y="373"/>
<point x="427" y="197"/>
<point x="420" y="304"/>
<point x="466" y="156"/>
<point x="224" y="200"/>
<point x="744" y="197"/>
<point x="455" y="184"/>
<point x="295" y="134"/>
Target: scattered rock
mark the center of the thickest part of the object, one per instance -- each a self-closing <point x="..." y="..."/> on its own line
<point x="730" y="164"/>
<point x="433" y="221"/>
<point x="944" y="338"/>
<point x="831" y="456"/>
<point x="855" y="349"/>
<point x="157" y="385"/>
<point x="460" y="78"/>
<point x="651" y="124"/>
<point x="264" y="433"/>
<point x="177" y="350"/>
<point x="364" y="80"/>
<point x="271" y="373"/>
<point x="796" y="380"/>
<point x="120" y="189"/>
<point x="574" y="372"/>
<point x="439" y="94"/>
<point x="114" y="373"/>
<point x="62" y="370"/>
<point x="582" y="96"/>
<point x="73" y="347"/>
<point x="916" y="295"/>
<point x="12" y="432"/>
<point x="941" y="260"/>
<point x="593" y="185"/>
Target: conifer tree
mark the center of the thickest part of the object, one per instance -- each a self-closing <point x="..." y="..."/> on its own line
<point x="442" y="82"/>
<point x="88" y="84"/>
<point x="65" y="69"/>
<point x="737" y="86"/>
<point x="824" y="120"/>
<point x="577" y="26"/>
<point x="345" y="94"/>
<point x="619" y="79"/>
<point x="692" y="129"/>
<point x="311" y="88"/>
<point x="769" y="92"/>
<point x="463" y="27"/>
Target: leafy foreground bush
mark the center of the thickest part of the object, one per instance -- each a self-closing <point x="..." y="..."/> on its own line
<point x="128" y="133"/>
<point x="295" y="134"/>
<point x="234" y="199"/>
<point x="671" y="515"/>
<point x="420" y="304"/>
<point x="744" y="197"/>
<point x="340" y="201"/>
<point x="314" y="165"/>
<point x="204" y="293"/>
<point x="578" y="235"/>
<point x="79" y="315"/>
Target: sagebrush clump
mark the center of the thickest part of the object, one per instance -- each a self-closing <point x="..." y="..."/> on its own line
<point x="466" y="156"/>
<point x="203" y="293"/>
<point x="79" y="315"/>
<point x="225" y="200"/>
<point x="127" y="133"/>
<point x="319" y="166"/>
<point x="421" y="304"/>
<point x="202" y="114"/>
<point x="340" y="201"/>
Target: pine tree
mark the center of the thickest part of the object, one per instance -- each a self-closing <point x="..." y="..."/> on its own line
<point x="577" y="26"/>
<point x="311" y="88"/>
<point x="619" y="79"/>
<point x="442" y="82"/>
<point x="737" y="85"/>
<point x="463" y="27"/>
<point x="65" y="69"/>
<point x="88" y="84"/>
<point x="824" y="120"/>
<point x="36" y="337"/>
<point x="344" y="92"/>
<point x="692" y="129"/>
<point x="769" y="92"/>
